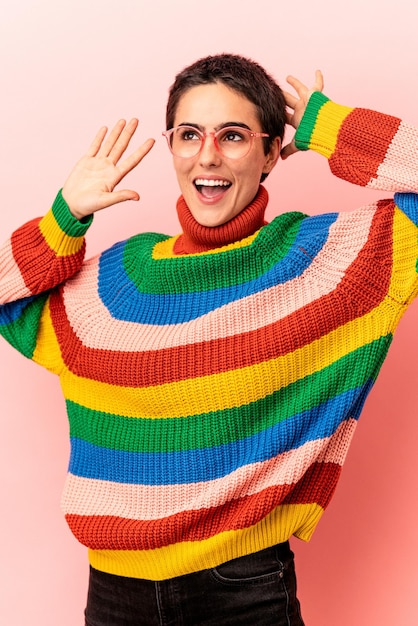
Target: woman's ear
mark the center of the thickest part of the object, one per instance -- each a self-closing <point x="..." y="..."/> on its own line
<point x="273" y="155"/>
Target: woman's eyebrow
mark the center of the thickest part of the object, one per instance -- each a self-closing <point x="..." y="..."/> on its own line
<point x="197" y="126"/>
<point x="219" y="127"/>
<point x="238" y="124"/>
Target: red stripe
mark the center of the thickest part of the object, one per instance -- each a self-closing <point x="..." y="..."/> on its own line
<point x="363" y="132"/>
<point x="40" y="267"/>
<point x="311" y="487"/>
<point x="148" y="368"/>
<point x="116" y="533"/>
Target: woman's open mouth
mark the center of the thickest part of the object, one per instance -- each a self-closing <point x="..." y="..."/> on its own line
<point x="211" y="188"/>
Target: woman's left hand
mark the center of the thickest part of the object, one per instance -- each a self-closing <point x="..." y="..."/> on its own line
<point x="91" y="185"/>
<point x="297" y="105"/>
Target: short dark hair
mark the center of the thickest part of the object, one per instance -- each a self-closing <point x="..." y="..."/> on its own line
<point x="242" y="75"/>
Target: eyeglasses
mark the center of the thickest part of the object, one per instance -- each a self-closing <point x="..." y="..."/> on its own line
<point x="232" y="142"/>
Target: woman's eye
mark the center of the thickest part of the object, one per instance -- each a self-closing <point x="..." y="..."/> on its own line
<point x="189" y="135"/>
<point x="232" y="135"/>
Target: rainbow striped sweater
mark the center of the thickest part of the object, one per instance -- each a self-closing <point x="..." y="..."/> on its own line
<point x="212" y="396"/>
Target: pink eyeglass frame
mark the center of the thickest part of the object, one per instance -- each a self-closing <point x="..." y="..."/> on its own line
<point x="167" y="134"/>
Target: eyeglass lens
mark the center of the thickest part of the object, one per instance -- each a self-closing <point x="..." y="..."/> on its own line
<point x="232" y="142"/>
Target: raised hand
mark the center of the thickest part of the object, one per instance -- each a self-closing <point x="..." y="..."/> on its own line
<point x="297" y="105"/>
<point x="91" y="185"/>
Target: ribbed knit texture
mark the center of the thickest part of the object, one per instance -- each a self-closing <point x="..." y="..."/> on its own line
<point x="198" y="238"/>
<point x="212" y="396"/>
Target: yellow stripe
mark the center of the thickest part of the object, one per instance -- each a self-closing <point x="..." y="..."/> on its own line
<point x="190" y="556"/>
<point x="47" y="351"/>
<point x="404" y="283"/>
<point x="327" y="125"/>
<point x="233" y="388"/>
<point x="165" y="249"/>
<point x="61" y="243"/>
<point x="248" y="384"/>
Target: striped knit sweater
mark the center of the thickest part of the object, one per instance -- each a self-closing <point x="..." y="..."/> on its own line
<point x="212" y="396"/>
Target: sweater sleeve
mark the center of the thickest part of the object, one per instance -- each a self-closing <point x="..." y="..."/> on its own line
<point x="364" y="147"/>
<point x="39" y="256"/>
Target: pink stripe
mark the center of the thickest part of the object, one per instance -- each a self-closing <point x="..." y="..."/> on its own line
<point x="106" y="333"/>
<point x="95" y="497"/>
<point x="12" y="285"/>
<point x="394" y="174"/>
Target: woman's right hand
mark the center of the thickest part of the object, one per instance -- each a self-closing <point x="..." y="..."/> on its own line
<point x="297" y="106"/>
<point x="90" y="186"/>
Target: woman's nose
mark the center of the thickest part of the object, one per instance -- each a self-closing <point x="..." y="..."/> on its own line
<point x="209" y="154"/>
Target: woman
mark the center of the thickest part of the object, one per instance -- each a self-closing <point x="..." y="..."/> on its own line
<point x="213" y="380"/>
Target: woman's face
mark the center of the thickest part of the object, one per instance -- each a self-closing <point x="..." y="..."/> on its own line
<point x="216" y="188"/>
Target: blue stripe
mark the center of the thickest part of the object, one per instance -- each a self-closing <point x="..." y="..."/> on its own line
<point x="408" y="203"/>
<point x="126" y="303"/>
<point x="11" y="311"/>
<point x="90" y="461"/>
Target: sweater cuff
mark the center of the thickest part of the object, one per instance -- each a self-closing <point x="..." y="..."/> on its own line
<point x="69" y="224"/>
<point x="61" y="230"/>
<point x="320" y="125"/>
<point x="307" y="124"/>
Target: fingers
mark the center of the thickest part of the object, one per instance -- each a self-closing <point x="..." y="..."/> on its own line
<point x="288" y="150"/>
<point x="136" y="157"/>
<point x="297" y="85"/>
<point x="319" y="81"/>
<point x="97" y="142"/>
<point x="118" y="140"/>
<point x="115" y="145"/>
<point x="290" y="99"/>
<point x="116" y="197"/>
<point x="301" y="89"/>
<point x="91" y="184"/>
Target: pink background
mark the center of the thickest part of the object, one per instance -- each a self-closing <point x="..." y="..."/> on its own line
<point x="67" y="67"/>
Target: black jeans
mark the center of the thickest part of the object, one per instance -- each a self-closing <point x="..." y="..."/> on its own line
<point x="254" y="590"/>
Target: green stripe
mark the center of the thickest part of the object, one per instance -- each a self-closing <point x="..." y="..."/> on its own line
<point x="22" y="332"/>
<point x="66" y="221"/>
<point x="222" y="427"/>
<point x="307" y="124"/>
<point x="165" y="276"/>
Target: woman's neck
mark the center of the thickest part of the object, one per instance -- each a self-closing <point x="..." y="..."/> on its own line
<point x="197" y="238"/>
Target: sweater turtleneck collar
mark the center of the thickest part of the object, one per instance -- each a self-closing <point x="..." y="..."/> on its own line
<point x="197" y="238"/>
